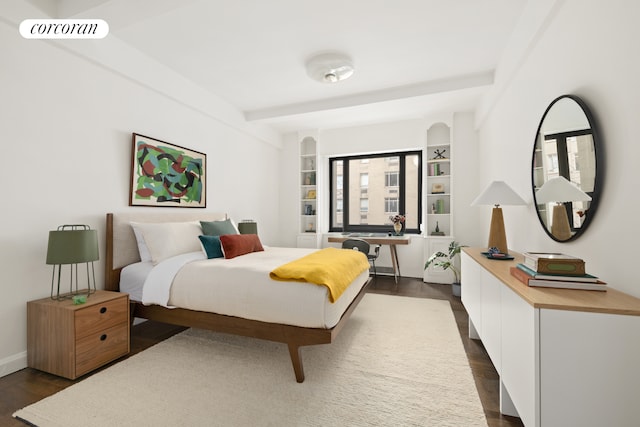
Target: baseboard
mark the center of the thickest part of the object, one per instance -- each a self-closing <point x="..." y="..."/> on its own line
<point x="383" y="270"/>
<point x="12" y="364"/>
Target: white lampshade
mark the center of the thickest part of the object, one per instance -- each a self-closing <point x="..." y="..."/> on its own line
<point x="560" y="190"/>
<point x="498" y="193"/>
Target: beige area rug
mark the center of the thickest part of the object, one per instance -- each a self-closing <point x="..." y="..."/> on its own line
<point x="398" y="362"/>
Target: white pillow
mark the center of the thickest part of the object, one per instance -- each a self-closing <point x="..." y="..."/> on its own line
<point x="145" y="256"/>
<point x="168" y="239"/>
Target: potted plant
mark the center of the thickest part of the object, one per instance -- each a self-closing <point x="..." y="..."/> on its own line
<point x="446" y="261"/>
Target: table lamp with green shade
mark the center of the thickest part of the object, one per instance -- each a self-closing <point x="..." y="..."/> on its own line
<point x="72" y="245"/>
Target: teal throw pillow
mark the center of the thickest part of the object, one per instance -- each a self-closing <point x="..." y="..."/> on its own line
<point x="212" y="246"/>
<point x="218" y="228"/>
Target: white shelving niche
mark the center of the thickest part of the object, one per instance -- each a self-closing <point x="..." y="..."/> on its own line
<point x="308" y="199"/>
<point x="438" y="204"/>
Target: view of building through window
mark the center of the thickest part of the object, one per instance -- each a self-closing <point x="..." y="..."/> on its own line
<point x="367" y="190"/>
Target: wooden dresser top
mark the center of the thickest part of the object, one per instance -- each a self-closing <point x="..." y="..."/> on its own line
<point x="611" y="301"/>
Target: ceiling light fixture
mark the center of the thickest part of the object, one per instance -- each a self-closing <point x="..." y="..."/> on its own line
<point x="330" y="67"/>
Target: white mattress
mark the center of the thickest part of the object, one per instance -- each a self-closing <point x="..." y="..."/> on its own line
<point x="241" y="287"/>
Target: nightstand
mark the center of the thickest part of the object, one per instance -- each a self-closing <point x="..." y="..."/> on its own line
<point x="71" y="340"/>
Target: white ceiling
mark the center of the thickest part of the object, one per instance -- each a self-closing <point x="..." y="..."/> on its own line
<point x="412" y="58"/>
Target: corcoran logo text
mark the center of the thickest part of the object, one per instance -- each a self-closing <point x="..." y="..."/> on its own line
<point x="64" y="29"/>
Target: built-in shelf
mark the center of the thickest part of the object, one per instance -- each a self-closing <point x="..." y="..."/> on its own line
<point x="438" y="201"/>
<point x="308" y="197"/>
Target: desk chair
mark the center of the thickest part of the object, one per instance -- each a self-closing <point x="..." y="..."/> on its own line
<point x="364" y="247"/>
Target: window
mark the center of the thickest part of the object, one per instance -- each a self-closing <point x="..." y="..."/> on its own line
<point x="367" y="189"/>
<point x="391" y="205"/>
<point x="391" y="179"/>
<point x="364" y="180"/>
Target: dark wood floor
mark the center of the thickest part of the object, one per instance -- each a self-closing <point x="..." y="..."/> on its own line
<point x="28" y="385"/>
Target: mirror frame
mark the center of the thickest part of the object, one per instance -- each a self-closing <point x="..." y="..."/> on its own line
<point x="599" y="166"/>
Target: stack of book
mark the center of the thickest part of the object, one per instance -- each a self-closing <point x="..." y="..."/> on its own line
<point x="554" y="270"/>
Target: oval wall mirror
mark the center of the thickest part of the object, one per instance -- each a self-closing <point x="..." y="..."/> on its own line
<point x="564" y="172"/>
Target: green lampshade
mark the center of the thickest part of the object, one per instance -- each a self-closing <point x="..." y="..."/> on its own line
<point x="72" y="246"/>
<point x="248" y="227"/>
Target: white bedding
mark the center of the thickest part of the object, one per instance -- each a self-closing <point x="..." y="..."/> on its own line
<point x="241" y="287"/>
<point x="132" y="279"/>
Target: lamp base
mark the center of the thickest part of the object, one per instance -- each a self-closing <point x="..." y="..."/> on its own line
<point x="560" y="228"/>
<point x="497" y="234"/>
<point x="74" y="291"/>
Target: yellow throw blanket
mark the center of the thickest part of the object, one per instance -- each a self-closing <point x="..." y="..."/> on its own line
<point x="330" y="267"/>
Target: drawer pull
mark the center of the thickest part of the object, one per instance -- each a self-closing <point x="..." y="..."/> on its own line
<point x="103" y="310"/>
<point x="103" y="337"/>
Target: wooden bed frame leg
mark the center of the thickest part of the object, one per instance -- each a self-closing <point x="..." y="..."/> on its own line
<point x="296" y="360"/>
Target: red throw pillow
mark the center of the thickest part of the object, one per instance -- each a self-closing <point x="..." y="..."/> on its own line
<point x="235" y="245"/>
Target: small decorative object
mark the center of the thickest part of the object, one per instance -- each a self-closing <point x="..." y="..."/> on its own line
<point x="310" y="227"/>
<point x="439" y="154"/>
<point x="163" y="174"/>
<point x="494" y="253"/>
<point x="397" y="221"/>
<point x="79" y="299"/>
<point x="311" y="194"/>
<point x="72" y="245"/>
<point x="437" y="231"/>
<point x="437" y="188"/>
<point x="446" y="261"/>
<point x="307" y="180"/>
<point x="307" y="209"/>
<point x="433" y="208"/>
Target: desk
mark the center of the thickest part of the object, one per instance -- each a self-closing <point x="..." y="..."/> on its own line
<point x="392" y="241"/>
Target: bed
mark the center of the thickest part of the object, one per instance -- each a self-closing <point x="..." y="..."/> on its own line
<point x="242" y="307"/>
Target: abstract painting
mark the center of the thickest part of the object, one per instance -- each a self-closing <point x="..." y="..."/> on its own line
<point x="164" y="174"/>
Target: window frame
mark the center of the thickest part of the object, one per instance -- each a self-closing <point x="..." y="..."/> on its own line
<point x="373" y="228"/>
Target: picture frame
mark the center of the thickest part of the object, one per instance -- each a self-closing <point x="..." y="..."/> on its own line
<point x="166" y="175"/>
<point x="311" y="194"/>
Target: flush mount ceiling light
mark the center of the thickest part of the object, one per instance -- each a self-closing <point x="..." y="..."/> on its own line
<point x="330" y="67"/>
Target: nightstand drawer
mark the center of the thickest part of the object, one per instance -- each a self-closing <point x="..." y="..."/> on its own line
<point x="101" y="347"/>
<point x="95" y="318"/>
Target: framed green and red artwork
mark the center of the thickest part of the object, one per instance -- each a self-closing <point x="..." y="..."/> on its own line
<point x="167" y="175"/>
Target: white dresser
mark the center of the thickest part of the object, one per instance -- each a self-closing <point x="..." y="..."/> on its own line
<point x="565" y="357"/>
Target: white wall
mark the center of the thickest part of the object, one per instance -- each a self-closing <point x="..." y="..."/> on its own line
<point x="465" y="170"/>
<point x="396" y="136"/>
<point x="586" y="50"/>
<point x="66" y="147"/>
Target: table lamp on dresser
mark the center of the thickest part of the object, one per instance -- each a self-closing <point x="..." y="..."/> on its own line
<point x="498" y="193"/>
